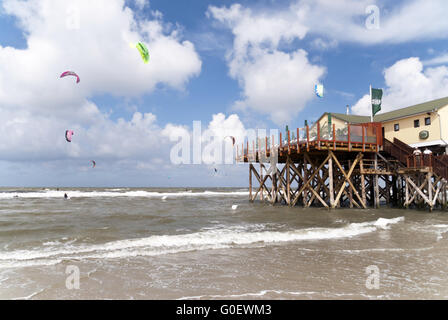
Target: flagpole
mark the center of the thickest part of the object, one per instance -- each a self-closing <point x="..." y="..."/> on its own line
<point x="371" y="114"/>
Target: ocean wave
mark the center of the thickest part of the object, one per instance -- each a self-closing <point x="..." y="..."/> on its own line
<point x="136" y="193"/>
<point x="249" y="294"/>
<point x="202" y="240"/>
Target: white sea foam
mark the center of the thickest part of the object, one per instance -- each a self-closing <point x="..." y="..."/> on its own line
<point x="249" y="294"/>
<point x="385" y="223"/>
<point x="50" y="243"/>
<point x="109" y="193"/>
<point x="440" y="226"/>
<point x="439" y="230"/>
<point x="224" y="237"/>
<point x="31" y="295"/>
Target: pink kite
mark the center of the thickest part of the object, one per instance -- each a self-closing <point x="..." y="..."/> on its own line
<point x="68" y="135"/>
<point x="70" y="73"/>
<point x="233" y="139"/>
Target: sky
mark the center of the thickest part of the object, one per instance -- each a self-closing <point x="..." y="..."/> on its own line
<point x="233" y="66"/>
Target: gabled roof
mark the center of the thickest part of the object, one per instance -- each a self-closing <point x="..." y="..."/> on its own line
<point x="348" y="117"/>
<point x="395" y="114"/>
<point x="412" y="110"/>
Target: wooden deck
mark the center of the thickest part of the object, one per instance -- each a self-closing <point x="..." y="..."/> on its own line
<point x="358" y="138"/>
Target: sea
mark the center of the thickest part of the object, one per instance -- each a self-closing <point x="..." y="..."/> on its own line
<point x="192" y="243"/>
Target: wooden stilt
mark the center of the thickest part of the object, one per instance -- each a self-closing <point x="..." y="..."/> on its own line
<point x="363" y="182"/>
<point x="350" y="192"/>
<point x="250" y="182"/>
<point x="330" y="186"/>
<point x="376" y="190"/>
<point x="288" y="181"/>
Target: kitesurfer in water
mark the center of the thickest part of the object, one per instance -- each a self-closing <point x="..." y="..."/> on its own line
<point x="65" y="196"/>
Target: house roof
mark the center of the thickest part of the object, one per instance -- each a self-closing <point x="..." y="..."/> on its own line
<point x="391" y="115"/>
<point x="348" y="117"/>
<point x="412" y="110"/>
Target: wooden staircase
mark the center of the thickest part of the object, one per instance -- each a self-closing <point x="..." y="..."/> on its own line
<point x="404" y="153"/>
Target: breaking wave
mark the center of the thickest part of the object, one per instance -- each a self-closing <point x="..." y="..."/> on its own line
<point x="166" y="244"/>
<point x="117" y="193"/>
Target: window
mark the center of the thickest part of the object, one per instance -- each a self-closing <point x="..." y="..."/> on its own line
<point x="427" y="121"/>
<point x="416" y="123"/>
<point x="396" y="127"/>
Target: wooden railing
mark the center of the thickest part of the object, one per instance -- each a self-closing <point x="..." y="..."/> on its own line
<point x="367" y="136"/>
<point x="428" y="160"/>
<point x="443" y="158"/>
<point x="440" y="167"/>
<point x="398" y="149"/>
<point x="381" y="165"/>
<point x="419" y="160"/>
<point x="403" y="145"/>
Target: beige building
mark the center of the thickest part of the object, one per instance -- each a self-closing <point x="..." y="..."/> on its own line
<point x="424" y="125"/>
<point x="421" y="125"/>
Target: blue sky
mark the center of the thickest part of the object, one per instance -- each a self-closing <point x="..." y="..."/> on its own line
<point x="229" y="68"/>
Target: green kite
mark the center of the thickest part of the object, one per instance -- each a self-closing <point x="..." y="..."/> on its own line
<point x="143" y="51"/>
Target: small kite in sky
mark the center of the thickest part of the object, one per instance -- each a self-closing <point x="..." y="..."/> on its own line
<point x="141" y="47"/>
<point x="233" y="139"/>
<point x="319" y="89"/>
<point x="68" y="135"/>
<point x="93" y="163"/>
<point x="70" y="73"/>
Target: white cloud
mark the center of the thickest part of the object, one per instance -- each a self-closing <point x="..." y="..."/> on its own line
<point x="141" y="4"/>
<point x="273" y="82"/>
<point x="321" y="44"/>
<point x="346" y="95"/>
<point x="441" y="59"/>
<point x="408" y="83"/>
<point x="214" y="138"/>
<point x="221" y="127"/>
<point x="140" y="143"/>
<point x="256" y="29"/>
<point x="41" y="138"/>
<point x="345" y="20"/>
<point x="279" y="84"/>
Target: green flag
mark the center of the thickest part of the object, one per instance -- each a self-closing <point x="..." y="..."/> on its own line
<point x="377" y="95"/>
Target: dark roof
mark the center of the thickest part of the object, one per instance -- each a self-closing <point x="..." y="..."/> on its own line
<point x="348" y="118"/>
<point x="412" y="110"/>
<point x="395" y="114"/>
